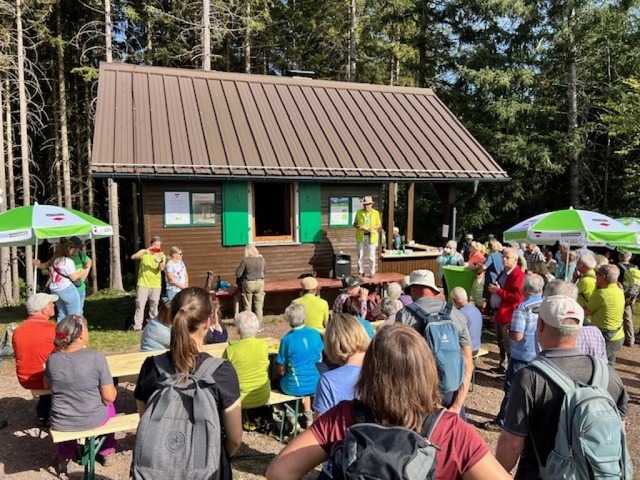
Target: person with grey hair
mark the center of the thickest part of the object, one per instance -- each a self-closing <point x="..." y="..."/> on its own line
<point x="624" y="264"/>
<point x="586" y="282"/>
<point x="300" y="350"/>
<point x="250" y="275"/>
<point x="389" y="308"/>
<point x="590" y="340"/>
<point x="449" y="256"/>
<point x="250" y="357"/>
<point x="394" y="290"/>
<point x="606" y="308"/>
<point x="531" y="418"/>
<point x="472" y="315"/>
<point x="522" y="336"/>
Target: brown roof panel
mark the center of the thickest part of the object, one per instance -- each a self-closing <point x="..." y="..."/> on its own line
<point x="155" y="120"/>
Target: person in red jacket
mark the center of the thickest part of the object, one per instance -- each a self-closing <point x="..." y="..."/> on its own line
<point x="32" y="345"/>
<point x="508" y="288"/>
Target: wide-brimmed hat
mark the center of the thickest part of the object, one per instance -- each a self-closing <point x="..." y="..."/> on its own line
<point x="309" y="283"/>
<point x="368" y="200"/>
<point x="350" y="282"/>
<point x="424" y="278"/>
<point x="38" y="301"/>
<point x="556" y="309"/>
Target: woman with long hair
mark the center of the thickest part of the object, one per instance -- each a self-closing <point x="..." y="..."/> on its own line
<point x="398" y="384"/>
<point x="192" y="310"/>
<point x="82" y="389"/>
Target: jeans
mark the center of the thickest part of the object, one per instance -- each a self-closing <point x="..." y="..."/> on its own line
<point x="68" y="302"/>
<point x="171" y="294"/>
<point x="144" y="294"/>
<point x="612" y="347"/>
<point x="371" y="251"/>
<point x="512" y="369"/>
<point x="253" y="297"/>
<point x="627" y="324"/>
<point x="82" y="294"/>
<point x="67" y="450"/>
<point x="448" y="399"/>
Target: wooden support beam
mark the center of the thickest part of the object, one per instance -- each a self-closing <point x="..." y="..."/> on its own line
<point x="411" y="191"/>
<point x="447" y="193"/>
<point x="393" y="191"/>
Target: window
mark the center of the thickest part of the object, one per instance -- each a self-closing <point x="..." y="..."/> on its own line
<point x="272" y="212"/>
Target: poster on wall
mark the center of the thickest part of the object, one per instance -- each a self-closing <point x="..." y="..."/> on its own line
<point x="356" y="204"/>
<point x="177" y="208"/>
<point x="339" y="212"/>
<point x="203" y="208"/>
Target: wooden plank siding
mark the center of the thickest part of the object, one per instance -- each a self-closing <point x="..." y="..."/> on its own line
<point x="203" y="249"/>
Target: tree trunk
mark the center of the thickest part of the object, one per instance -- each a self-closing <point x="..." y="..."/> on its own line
<point x="247" y="41"/>
<point x="62" y="113"/>
<point x="56" y="152"/>
<point x="6" y="293"/>
<point x="24" y="143"/>
<point x="572" y="114"/>
<point x="90" y="193"/>
<point x="15" y="284"/>
<point x="352" y="40"/>
<point x="206" y="35"/>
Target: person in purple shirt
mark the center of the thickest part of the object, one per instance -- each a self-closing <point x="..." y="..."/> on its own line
<point x="472" y="315"/>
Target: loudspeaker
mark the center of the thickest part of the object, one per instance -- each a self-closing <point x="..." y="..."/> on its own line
<point x="341" y="265"/>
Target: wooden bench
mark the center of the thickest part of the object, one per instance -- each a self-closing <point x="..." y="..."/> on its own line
<point x="119" y="423"/>
<point x="279" y="398"/>
<point x="481" y="353"/>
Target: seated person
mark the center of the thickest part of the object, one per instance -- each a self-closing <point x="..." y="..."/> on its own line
<point x="82" y="389"/>
<point x="157" y="332"/>
<point x="389" y="308"/>
<point x="217" y="332"/>
<point x="351" y="287"/>
<point x="352" y="307"/>
<point x="394" y="290"/>
<point x="300" y="350"/>
<point x="250" y="358"/>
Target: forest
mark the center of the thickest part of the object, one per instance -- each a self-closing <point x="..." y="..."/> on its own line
<point x="550" y="88"/>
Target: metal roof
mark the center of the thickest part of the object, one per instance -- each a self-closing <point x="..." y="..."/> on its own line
<point x="157" y="122"/>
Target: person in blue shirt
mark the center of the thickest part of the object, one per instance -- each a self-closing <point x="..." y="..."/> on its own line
<point x="300" y="350"/>
<point x="522" y="334"/>
<point x="472" y="314"/>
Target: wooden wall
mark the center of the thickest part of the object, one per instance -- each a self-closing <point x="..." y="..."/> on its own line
<point x="202" y="246"/>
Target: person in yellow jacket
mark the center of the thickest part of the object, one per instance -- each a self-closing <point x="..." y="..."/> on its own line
<point x="368" y="225"/>
<point x="149" y="287"/>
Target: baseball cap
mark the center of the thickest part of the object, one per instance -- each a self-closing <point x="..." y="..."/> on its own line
<point x="557" y="308"/>
<point x="76" y="242"/>
<point x="424" y="278"/>
<point x="38" y="301"/>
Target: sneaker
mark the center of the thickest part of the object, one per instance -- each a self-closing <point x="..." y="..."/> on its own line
<point x="42" y="422"/>
<point x="491" y="426"/>
<point x="106" y="460"/>
<point x="499" y="370"/>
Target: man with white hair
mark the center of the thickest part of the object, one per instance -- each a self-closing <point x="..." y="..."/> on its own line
<point x="533" y="411"/>
<point x="368" y="224"/>
<point x="32" y="345"/>
<point x="472" y="314"/>
<point x="587" y="281"/>
<point x="522" y="335"/>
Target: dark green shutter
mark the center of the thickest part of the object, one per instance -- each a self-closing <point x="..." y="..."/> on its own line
<point x="310" y="213"/>
<point x="235" y="213"/>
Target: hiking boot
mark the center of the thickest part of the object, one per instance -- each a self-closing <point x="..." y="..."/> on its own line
<point x="491" y="426"/>
<point x="106" y="460"/>
<point x="62" y="466"/>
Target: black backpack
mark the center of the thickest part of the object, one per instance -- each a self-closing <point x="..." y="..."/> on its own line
<point x="384" y="452"/>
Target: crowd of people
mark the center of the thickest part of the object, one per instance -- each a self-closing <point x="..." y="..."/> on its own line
<point x="414" y="371"/>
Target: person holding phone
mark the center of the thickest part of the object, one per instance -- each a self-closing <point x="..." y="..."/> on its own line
<point x="149" y="286"/>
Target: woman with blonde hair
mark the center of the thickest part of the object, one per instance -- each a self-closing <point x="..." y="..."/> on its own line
<point x="477" y="258"/>
<point x="250" y="274"/>
<point x="398" y="385"/>
<point x="82" y="389"/>
<point x="192" y="310"/>
<point x="175" y="272"/>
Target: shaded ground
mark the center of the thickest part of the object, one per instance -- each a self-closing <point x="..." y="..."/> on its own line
<point x="27" y="452"/>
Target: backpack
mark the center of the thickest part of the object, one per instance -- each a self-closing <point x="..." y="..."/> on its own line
<point x="179" y="435"/>
<point x="6" y="344"/>
<point x="374" y="304"/>
<point x="443" y="339"/>
<point x="384" y="452"/>
<point x="590" y="442"/>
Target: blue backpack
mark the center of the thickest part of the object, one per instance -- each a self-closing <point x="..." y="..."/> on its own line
<point x="590" y="442"/>
<point x="443" y="339"/>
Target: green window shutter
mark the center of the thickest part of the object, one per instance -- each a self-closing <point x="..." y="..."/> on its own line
<point x="310" y="213"/>
<point x="235" y="213"/>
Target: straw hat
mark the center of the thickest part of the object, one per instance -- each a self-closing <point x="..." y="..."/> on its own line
<point x="368" y="200"/>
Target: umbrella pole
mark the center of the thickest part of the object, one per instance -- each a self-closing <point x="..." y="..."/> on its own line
<point x="566" y="264"/>
<point x="35" y="269"/>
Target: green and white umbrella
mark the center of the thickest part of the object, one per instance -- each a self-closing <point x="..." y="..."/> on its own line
<point x="576" y="227"/>
<point x="634" y="223"/>
<point x="31" y="225"/>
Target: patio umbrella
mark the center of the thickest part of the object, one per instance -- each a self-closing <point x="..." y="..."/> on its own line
<point x="31" y="225"/>
<point x="634" y="223"/>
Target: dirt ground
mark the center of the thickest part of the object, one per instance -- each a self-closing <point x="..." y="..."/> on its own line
<point x="27" y="453"/>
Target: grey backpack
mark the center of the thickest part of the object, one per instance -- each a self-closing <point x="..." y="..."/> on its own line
<point x="179" y="435"/>
<point x="590" y="442"/>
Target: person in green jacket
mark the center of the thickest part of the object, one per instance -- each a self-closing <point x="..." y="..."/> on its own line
<point x="368" y="225"/>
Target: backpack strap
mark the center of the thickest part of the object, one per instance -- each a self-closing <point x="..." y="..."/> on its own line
<point x="417" y="312"/>
<point x="431" y="422"/>
<point x="553" y="373"/>
<point x="446" y="309"/>
<point x="600" y="376"/>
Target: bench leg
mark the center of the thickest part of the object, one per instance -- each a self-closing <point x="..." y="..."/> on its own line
<point x="88" y="461"/>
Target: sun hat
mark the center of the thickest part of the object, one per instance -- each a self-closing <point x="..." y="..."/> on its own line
<point x="309" y="283"/>
<point x="557" y="308"/>
<point x="350" y="282"/>
<point x="76" y="242"/>
<point x="424" y="278"/>
<point x="368" y="200"/>
<point x="38" y="301"/>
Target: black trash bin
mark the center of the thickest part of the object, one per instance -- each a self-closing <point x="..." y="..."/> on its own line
<point x="341" y="265"/>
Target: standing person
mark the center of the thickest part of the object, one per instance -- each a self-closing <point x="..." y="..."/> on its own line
<point x="522" y="334"/>
<point x="32" y="345"/>
<point x="532" y="254"/>
<point x="533" y="412"/>
<point x="368" y="225"/>
<point x="508" y="289"/>
<point x="449" y="257"/>
<point x="472" y="315"/>
<point x="186" y="354"/>
<point x="300" y="350"/>
<point x="82" y="262"/>
<point x="624" y="264"/>
<point x="465" y="247"/>
<point x="65" y="278"/>
<point x="398" y="384"/>
<point x="423" y="292"/>
<point x="250" y="273"/>
<point x="587" y="280"/>
<point x="492" y="267"/>
<point x="149" y="287"/>
<point x="606" y="309"/>
<point x="552" y="263"/>
<point x="82" y="389"/>
<point x="176" y="273"/>
<point x="317" y="309"/>
<point x="477" y="257"/>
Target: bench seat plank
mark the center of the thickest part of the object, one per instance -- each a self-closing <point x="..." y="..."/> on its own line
<point x="119" y="423"/>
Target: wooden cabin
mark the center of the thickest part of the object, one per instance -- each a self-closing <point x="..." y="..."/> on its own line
<point x="220" y="160"/>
